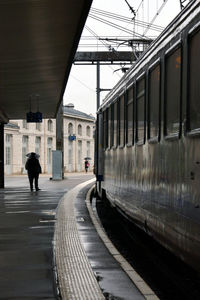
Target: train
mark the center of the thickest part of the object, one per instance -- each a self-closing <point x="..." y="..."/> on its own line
<point x="148" y="139"/>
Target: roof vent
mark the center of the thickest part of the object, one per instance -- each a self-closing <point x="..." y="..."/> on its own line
<point x="70" y="105"/>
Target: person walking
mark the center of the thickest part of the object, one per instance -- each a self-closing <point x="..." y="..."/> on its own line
<point x="86" y="165"/>
<point x="34" y="169"/>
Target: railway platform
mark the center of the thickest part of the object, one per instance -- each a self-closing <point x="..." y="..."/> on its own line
<point x="85" y="264"/>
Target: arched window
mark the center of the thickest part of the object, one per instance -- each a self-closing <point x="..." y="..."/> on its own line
<point x="70" y="128"/>
<point x="88" y="130"/>
<point x="50" y="125"/>
<point x="79" y="129"/>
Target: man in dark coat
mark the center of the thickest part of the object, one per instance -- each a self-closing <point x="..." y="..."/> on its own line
<point x="34" y="169"/>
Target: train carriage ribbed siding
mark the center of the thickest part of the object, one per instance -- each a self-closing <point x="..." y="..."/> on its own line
<point x="151" y="139"/>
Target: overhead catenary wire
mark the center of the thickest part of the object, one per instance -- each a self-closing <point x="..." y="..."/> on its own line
<point x="104" y="17"/>
<point x="96" y="36"/>
<point x="139" y="6"/>
<point x="89" y="37"/>
<point x="81" y="82"/>
<point x="126" y="19"/>
<point x="104" y="43"/>
<point x="115" y="26"/>
<point x="156" y="15"/>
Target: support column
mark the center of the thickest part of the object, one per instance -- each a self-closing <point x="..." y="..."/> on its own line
<point x="1" y="155"/>
<point x="59" y="135"/>
<point x="98" y="85"/>
<point x="96" y="158"/>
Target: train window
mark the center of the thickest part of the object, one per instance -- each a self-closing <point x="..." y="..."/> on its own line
<point x="154" y="101"/>
<point x="115" y="124"/>
<point x="105" y="129"/>
<point x="111" y="125"/>
<point x="129" y="116"/>
<point x="194" y="81"/>
<point x="121" y="121"/>
<point x="140" y="110"/>
<point x="172" y="92"/>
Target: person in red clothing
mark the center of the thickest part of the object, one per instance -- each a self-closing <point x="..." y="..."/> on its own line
<point x="34" y="169"/>
<point x="86" y="165"/>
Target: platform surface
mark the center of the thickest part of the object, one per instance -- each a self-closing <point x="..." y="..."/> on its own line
<point x="86" y="269"/>
<point x="81" y="268"/>
<point x="27" y="223"/>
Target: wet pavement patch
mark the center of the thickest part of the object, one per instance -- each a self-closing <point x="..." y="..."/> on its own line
<point x="27" y="223"/>
<point x="26" y="251"/>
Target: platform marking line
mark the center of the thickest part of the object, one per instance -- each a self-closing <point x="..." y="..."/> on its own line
<point x="75" y="276"/>
<point x="142" y="286"/>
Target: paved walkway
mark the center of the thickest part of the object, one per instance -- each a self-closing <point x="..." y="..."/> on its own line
<point x="86" y="269"/>
<point x="26" y="232"/>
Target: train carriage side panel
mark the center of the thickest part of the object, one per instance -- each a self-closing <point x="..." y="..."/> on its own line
<point x="152" y="172"/>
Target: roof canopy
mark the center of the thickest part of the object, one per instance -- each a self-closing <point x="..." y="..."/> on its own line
<point x="38" y="42"/>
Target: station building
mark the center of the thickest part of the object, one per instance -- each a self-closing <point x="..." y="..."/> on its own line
<point x="21" y="138"/>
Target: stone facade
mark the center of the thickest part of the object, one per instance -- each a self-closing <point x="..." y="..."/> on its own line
<point x="21" y="138"/>
<point x="78" y="139"/>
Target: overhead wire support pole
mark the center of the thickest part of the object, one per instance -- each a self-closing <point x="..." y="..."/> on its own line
<point x="98" y="85"/>
<point x="97" y="121"/>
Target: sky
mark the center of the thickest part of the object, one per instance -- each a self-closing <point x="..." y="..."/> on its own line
<point x="81" y="86"/>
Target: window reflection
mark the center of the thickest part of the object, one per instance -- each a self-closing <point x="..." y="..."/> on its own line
<point x="194" y="81"/>
<point x="172" y="91"/>
<point x="130" y="115"/>
<point x="140" y="102"/>
<point x="154" y="101"/>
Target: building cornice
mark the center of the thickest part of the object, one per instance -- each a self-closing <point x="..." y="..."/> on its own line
<point x="79" y="118"/>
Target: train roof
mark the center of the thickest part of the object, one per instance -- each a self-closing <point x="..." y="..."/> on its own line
<point x="172" y="30"/>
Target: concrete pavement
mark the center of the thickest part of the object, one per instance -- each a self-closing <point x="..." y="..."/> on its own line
<point x="27" y="222"/>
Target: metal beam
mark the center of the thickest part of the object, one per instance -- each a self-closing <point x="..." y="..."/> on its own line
<point x="93" y="63"/>
<point x="108" y="56"/>
<point x="129" y="41"/>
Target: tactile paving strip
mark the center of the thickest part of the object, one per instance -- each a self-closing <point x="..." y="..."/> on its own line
<point x="75" y="276"/>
